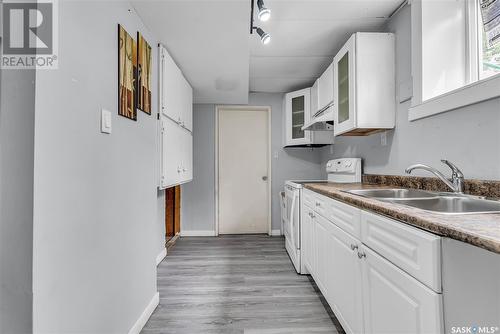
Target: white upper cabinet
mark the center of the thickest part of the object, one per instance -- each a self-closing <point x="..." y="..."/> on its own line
<point x="176" y="124"/>
<point x="315" y="98"/>
<point x="364" y="85"/>
<point x="325" y="88"/>
<point x="176" y="95"/>
<point x="298" y="106"/>
<point x="297" y="113"/>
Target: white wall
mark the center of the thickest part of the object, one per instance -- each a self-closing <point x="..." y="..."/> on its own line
<point x="95" y="199"/>
<point x="469" y="136"/>
<point x="198" y="197"/>
<point x="17" y="112"/>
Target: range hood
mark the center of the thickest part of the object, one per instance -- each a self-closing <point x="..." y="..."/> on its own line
<point x="322" y="120"/>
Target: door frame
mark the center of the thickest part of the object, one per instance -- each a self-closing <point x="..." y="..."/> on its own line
<point x="268" y="109"/>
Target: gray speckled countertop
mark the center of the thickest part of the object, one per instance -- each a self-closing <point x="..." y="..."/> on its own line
<point x="481" y="230"/>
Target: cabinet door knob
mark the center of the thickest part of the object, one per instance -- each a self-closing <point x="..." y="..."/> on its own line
<point x="361" y="255"/>
<point x="353" y="246"/>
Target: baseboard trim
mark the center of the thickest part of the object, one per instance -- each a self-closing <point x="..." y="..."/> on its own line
<point x="275" y="233"/>
<point x="198" y="233"/>
<point x="161" y="256"/>
<point x="139" y="324"/>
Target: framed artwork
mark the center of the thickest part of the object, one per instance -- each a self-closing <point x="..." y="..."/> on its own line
<point x="144" y="63"/>
<point x="127" y="74"/>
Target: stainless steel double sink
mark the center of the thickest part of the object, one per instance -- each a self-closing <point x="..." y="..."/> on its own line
<point x="443" y="203"/>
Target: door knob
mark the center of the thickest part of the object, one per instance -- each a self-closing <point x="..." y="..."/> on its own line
<point x="264" y="178"/>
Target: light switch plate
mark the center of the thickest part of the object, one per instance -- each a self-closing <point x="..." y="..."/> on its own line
<point x="105" y="121"/>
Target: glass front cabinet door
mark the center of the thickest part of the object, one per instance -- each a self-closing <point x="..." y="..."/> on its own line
<point x="298" y="112"/>
<point x="344" y="83"/>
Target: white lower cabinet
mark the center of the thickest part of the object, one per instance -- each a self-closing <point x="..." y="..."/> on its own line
<point x="307" y="234"/>
<point x="323" y="251"/>
<point x="395" y="302"/>
<point x="367" y="292"/>
<point x="343" y="284"/>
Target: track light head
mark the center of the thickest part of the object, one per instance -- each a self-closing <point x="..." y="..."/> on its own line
<point x="265" y="38"/>
<point x="264" y="13"/>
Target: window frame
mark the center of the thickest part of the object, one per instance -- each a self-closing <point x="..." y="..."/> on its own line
<point x="477" y="90"/>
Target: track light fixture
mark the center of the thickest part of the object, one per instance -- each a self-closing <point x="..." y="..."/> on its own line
<point x="263" y="15"/>
<point x="265" y="38"/>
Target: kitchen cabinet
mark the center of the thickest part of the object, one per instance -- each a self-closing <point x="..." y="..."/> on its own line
<point x="177" y="154"/>
<point x="314" y="98"/>
<point x="322" y="253"/>
<point x="364" y="85"/>
<point x="368" y="292"/>
<point x="344" y="283"/>
<point x="176" y="95"/>
<point x="394" y="302"/>
<point x="307" y="243"/>
<point x="297" y="114"/>
<point x="325" y="88"/>
<point x="175" y="123"/>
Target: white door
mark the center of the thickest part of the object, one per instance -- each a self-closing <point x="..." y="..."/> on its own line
<point x="394" y="302"/>
<point x="243" y="171"/>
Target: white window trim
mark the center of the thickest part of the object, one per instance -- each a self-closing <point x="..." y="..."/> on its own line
<point x="472" y="93"/>
<point x="476" y="92"/>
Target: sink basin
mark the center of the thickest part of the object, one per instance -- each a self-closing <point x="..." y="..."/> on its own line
<point x="452" y="205"/>
<point x="443" y="203"/>
<point x="394" y="194"/>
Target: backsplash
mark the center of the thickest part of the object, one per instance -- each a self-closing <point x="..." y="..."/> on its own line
<point x="473" y="187"/>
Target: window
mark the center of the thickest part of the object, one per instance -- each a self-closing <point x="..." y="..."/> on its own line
<point x="489" y="54"/>
<point x="455" y="62"/>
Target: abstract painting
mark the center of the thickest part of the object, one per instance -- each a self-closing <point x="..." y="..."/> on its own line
<point x="127" y="74"/>
<point x="144" y="74"/>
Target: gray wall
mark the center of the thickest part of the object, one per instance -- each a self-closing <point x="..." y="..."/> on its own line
<point x="17" y="111"/>
<point x="95" y="199"/>
<point x="198" y="197"/>
<point x="468" y="136"/>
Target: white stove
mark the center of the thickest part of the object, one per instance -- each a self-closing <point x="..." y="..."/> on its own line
<point x="346" y="170"/>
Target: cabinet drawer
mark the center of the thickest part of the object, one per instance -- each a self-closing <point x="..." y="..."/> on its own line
<point x="343" y="215"/>
<point x="415" y="251"/>
<point x="308" y="198"/>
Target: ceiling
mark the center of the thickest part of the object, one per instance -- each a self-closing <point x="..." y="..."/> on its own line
<point x="210" y="41"/>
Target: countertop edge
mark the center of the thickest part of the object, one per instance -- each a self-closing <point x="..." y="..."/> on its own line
<point x="384" y="209"/>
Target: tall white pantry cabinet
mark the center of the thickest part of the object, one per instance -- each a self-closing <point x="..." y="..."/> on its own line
<point x="175" y="123"/>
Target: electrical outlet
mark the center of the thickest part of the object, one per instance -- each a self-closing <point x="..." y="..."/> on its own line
<point x="383" y="138"/>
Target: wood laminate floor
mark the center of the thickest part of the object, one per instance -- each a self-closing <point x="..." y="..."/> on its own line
<point x="236" y="284"/>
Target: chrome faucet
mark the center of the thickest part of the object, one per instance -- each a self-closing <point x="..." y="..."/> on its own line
<point x="457" y="177"/>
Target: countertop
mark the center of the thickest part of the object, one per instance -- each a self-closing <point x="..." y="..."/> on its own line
<point x="481" y="230"/>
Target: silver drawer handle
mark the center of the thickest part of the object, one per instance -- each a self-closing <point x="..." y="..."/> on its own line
<point x="361" y="255"/>
<point x="353" y="246"/>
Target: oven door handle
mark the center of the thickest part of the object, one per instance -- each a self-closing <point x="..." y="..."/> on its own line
<point x="291" y="220"/>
